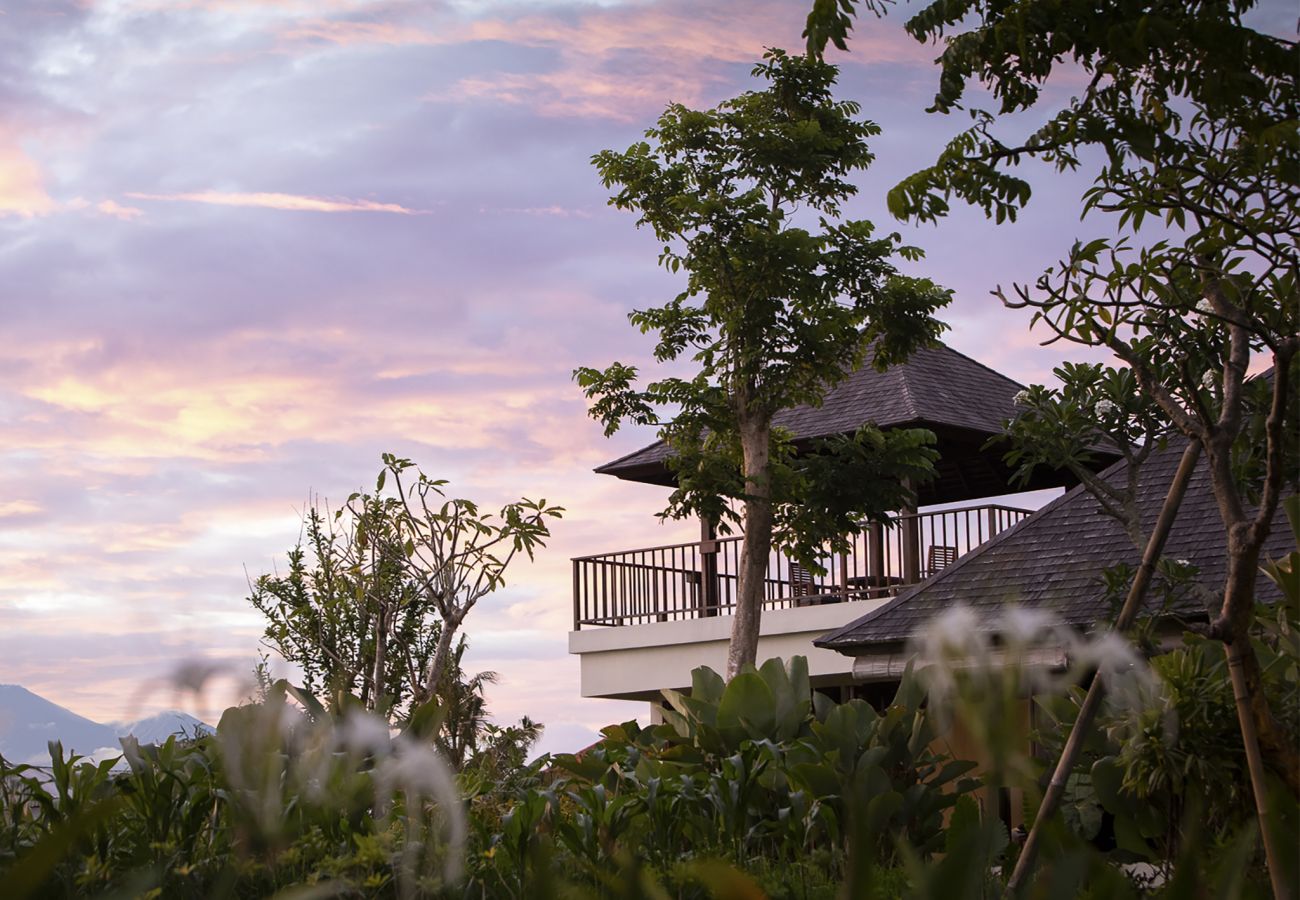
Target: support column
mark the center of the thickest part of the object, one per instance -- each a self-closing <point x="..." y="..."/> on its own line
<point x="709" y="594"/>
<point x="911" y="543"/>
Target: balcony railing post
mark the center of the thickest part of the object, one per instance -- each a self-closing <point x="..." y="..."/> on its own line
<point x="876" y="554"/>
<point x="911" y="547"/>
<point x="577" y="602"/>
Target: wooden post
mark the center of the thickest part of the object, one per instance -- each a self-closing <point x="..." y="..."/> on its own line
<point x="708" y="567"/>
<point x="844" y="575"/>
<point x="577" y="609"/>
<point x="876" y="555"/>
<point x="911" y="546"/>
<point x="911" y="523"/>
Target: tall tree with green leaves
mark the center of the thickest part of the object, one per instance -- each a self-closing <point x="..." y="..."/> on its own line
<point x="783" y="299"/>
<point x="1192" y="118"/>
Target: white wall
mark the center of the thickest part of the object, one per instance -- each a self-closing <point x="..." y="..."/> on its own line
<point x="635" y="662"/>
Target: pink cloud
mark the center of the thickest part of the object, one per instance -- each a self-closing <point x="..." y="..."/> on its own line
<point x="22" y="187"/>
<point x="274" y="200"/>
<point x="115" y="210"/>
<point x="555" y="210"/>
<point x="351" y="33"/>
<point x="618" y="62"/>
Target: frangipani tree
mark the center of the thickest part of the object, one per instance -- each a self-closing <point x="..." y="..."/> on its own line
<point x="372" y="606"/>
<point x="454" y="551"/>
<point x="1193" y="119"/>
<point x="783" y="298"/>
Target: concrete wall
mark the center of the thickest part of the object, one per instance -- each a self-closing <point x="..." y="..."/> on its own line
<point x="635" y="662"/>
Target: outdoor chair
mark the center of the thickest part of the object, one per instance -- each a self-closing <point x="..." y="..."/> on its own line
<point x="803" y="586"/>
<point x="939" y="558"/>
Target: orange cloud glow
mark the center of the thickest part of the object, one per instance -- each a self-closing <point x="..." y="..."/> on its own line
<point x="116" y="210"/>
<point x="217" y="406"/>
<point x="22" y="188"/>
<point x="13" y="508"/>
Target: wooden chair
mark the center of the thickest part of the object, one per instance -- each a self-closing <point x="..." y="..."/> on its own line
<point x="939" y="558"/>
<point x="803" y="586"/>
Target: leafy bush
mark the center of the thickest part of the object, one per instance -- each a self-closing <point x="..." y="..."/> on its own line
<point x="759" y="772"/>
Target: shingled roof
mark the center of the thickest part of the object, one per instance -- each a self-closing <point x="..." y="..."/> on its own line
<point x="1052" y="560"/>
<point x="963" y="401"/>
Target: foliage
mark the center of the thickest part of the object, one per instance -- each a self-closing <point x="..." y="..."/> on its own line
<point x="272" y="800"/>
<point x="457" y="552"/>
<point x="1096" y="407"/>
<point x="754" y="788"/>
<point x="1192" y="118"/>
<point x="758" y="772"/>
<point x="1195" y="115"/>
<point x="344" y="589"/>
<point x="371" y="607"/>
<point x="773" y="314"/>
<point x="1148" y="767"/>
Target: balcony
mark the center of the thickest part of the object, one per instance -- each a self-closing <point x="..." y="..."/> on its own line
<point x="698" y="580"/>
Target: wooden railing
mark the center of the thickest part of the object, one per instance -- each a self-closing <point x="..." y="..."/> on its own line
<point x="696" y="580"/>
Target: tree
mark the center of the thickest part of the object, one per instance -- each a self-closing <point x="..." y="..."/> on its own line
<point x="347" y="613"/>
<point x="773" y="314"/>
<point x="1193" y="116"/>
<point x="455" y="552"/>
<point x="372" y="607"/>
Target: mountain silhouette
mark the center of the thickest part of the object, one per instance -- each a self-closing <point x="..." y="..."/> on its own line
<point x="28" y="722"/>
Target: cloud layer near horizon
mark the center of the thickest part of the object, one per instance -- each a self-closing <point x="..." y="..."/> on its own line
<point x="248" y="246"/>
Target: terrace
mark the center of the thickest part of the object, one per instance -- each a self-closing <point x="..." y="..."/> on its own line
<point x="698" y="579"/>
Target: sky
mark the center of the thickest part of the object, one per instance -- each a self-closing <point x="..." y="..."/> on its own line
<point x="247" y="246"/>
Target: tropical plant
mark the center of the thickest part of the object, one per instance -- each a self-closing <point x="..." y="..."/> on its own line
<point x="275" y="798"/>
<point x="455" y="552"/>
<point x="346" y="612"/>
<point x="761" y="767"/>
<point x="371" y="607"/>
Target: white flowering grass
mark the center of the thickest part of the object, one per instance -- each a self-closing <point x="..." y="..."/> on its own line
<point x="279" y="760"/>
<point x="982" y="672"/>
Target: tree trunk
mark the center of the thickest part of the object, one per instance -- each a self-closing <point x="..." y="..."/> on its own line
<point x="1233" y="628"/>
<point x="1261" y="734"/>
<point x="381" y="648"/>
<point x="755" y="445"/>
<point x="437" y="666"/>
<point x="1246" y="704"/>
<point x="1092" y="702"/>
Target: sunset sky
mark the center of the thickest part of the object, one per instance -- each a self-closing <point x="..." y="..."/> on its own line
<point x="246" y="246"/>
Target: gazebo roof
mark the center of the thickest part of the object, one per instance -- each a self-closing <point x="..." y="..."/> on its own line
<point x="963" y="401"/>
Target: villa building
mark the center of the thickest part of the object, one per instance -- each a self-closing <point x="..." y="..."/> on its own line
<point x="644" y="618"/>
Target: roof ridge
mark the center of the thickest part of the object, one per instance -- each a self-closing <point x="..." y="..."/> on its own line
<point x="903" y="374"/>
<point x="986" y="368"/>
<point x="828" y="640"/>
